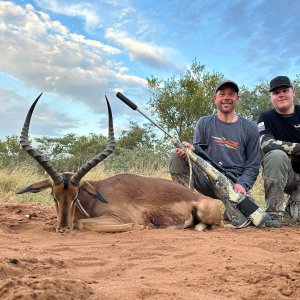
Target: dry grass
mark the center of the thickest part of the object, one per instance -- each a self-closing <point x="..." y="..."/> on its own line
<point x="257" y="192"/>
<point x="99" y="173"/>
<point x="18" y="178"/>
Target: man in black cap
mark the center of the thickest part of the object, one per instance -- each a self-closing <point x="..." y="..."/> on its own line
<point x="231" y="142"/>
<point x="279" y="130"/>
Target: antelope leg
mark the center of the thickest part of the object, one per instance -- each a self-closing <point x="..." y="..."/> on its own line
<point x="93" y="225"/>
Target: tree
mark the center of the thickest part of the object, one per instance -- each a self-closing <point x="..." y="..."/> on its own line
<point x="136" y="136"/>
<point x="11" y="152"/>
<point x="70" y="151"/>
<point x="179" y="102"/>
<point x="296" y="85"/>
<point x="10" y="147"/>
<point x="56" y="147"/>
<point x="90" y="145"/>
<point x="253" y="102"/>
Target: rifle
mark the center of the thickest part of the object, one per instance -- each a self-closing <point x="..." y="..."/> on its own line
<point x="244" y="204"/>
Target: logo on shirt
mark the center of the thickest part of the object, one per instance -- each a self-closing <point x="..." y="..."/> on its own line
<point x="297" y="126"/>
<point x="222" y="142"/>
<point x="261" y="126"/>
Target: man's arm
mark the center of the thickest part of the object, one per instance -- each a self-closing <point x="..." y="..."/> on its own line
<point x="200" y="130"/>
<point x="251" y="171"/>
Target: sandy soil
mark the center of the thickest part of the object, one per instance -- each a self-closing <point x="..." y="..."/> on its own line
<point x="38" y="263"/>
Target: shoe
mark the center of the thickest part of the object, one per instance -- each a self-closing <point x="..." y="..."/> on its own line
<point x="288" y="206"/>
<point x="293" y="209"/>
<point x="232" y="214"/>
<point x="225" y="215"/>
<point x="274" y="220"/>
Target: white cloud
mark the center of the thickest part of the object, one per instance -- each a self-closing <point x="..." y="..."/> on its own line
<point x="93" y="43"/>
<point x="83" y="10"/>
<point x="148" y="54"/>
<point x="46" y="56"/>
<point x="126" y="11"/>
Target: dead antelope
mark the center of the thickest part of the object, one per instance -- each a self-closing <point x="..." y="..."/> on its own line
<point x="133" y="201"/>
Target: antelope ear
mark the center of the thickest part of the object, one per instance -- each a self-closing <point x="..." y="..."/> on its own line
<point x="91" y="191"/>
<point x="37" y="187"/>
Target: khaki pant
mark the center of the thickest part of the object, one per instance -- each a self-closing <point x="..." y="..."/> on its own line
<point x="279" y="179"/>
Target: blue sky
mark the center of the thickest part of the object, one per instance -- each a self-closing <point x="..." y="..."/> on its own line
<point x="78" y="51"/>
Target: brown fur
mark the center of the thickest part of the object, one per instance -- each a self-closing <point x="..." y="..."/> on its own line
<point x="149" y="201"/>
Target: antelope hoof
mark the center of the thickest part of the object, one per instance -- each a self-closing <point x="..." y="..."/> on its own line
<point x="200" y="227"/>
<point x="63" y="229"/>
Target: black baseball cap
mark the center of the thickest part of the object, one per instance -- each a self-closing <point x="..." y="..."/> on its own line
<point x="227" y="82"/>
<point x="279" y="81"/>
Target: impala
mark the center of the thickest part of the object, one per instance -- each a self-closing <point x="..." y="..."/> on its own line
<point x="122" y="202"/>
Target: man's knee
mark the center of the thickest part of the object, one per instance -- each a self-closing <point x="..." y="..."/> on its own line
<point x="179" y="170"/>
<point x="276" y="164"/>
<point x="177" y="164"/>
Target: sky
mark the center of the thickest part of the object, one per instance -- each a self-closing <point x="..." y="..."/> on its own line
<point x="76" y="52"/>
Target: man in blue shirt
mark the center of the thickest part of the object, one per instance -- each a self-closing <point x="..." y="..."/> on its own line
<point x="231" y="141"/>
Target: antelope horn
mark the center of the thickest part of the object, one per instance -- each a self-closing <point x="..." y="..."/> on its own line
<point x="101" y="156"/>
<point x="49" y="168"/>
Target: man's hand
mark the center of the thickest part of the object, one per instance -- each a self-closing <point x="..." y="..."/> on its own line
<point x="239" y="189"/>
<point x="181" y="152"/>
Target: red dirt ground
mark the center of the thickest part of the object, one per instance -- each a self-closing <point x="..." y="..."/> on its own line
<point x="38" y="263"/>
